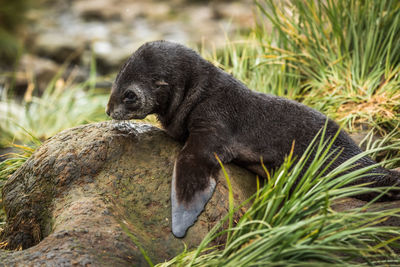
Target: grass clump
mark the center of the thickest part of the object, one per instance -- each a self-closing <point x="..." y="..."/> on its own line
<point x="340" y="57"/>
<point x="291" y="222"/>
<point x="12" y="20"/>
<point x="63" y="105"/>
<point x="10" y="164"/>
<point x="346" y="54"/>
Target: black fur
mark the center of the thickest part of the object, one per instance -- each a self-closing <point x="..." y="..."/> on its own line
<point x="212" y="112"/>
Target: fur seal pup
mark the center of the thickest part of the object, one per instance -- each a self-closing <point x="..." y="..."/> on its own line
<point x="212" y="112"/>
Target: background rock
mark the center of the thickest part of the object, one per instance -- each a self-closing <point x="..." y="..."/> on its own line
<point x="33" y="70"/>
<point x="119" y="27"/>
<point x="111" y="30"/>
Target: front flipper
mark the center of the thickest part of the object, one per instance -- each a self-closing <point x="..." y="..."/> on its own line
<point x="194" y="179"/>
<point x="185" y="212"/>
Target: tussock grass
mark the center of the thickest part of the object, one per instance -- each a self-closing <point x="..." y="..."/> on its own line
<point x="390" y="156"/>
<point x="12" y="19"/>
<point x="247" y="61"/>
<point x="10" y="164"/>
<point x="349" y="53"/>
<point x="340" y="57"/>
<point x="291" y="222"/>
<point x="63" y="105"/>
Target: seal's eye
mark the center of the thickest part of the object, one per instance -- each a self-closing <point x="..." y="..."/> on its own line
<point x="160" y="84"/>
<point x="129" y="97"/>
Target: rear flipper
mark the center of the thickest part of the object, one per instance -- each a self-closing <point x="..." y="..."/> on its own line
<point x="382" y="178"/>
<point x="395" y="181"/>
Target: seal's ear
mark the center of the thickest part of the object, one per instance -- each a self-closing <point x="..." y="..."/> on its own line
<point x="185" y="212"/>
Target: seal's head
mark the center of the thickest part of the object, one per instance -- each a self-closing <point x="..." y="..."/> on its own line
<point x="145" y="82"/>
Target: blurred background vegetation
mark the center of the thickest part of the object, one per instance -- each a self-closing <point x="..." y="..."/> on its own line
<point x="59" y="58"/>
<point x="12" y="19"/>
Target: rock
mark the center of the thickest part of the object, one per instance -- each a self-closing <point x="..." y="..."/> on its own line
<point x="34" y="74"/>
<point x="59" y="46"/>
<point x="108" y="57"/>
<point x="125" y="10"/>
<point x="238" y="12"/>
<point x="113" y="29"/>
<point x="97" y="194"/>
<point x="97" y="10"/>
<point x="360" y="136"/>
<point x="347" y="204"/>
<point x="33" y="69"/>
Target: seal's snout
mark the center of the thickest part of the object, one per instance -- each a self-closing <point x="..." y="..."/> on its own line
<point x="109" y="108"/>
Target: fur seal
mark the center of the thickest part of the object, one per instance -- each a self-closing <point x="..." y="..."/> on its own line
<point x="212" y="112"/>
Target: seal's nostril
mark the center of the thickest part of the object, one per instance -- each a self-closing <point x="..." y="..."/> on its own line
<point x="108" y="111"/>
